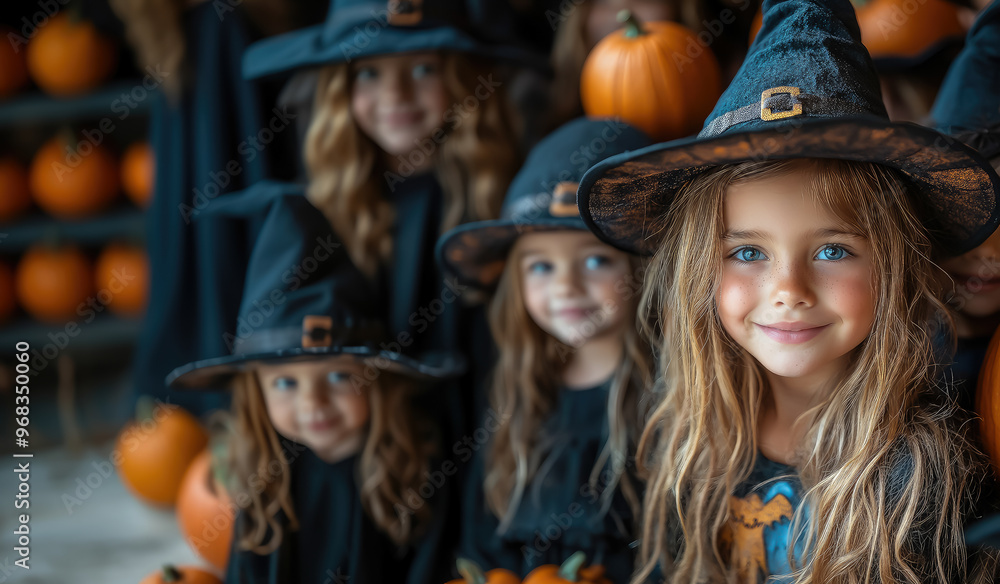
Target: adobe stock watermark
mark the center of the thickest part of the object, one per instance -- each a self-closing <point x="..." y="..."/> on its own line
<point x="294" y="277"/>
<point x="30" y="25"/>
<point x="711" y="31"/>
<point x="249" y="149"/>
<point x="123" y="105"/>
<point x="121" y="278"/>
<point x="454" y="117"/>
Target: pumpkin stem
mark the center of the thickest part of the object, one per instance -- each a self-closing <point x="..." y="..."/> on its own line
<point x="470" y="571"/>
<point x="570" y="569"/>
<point x="170" y="574"/>
<point x="144" y="408"/>
<point x="633" y="28"/>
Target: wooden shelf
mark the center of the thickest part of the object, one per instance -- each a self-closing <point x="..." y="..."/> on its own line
<point x="123" y="222"/>
<point x="36" y="107"/>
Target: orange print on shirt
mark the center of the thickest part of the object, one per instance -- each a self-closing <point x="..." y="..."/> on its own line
<point x="742" y="538"/>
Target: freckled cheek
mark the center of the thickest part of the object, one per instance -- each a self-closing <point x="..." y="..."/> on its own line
<point x="536" y="299"/>
<point x="283" y="418"/>
<point x="736" y="298"/>
<point x="852" y="295"/>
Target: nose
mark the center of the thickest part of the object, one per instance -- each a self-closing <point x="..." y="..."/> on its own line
<point x="397" y="87"/>
<point x="792" y="287"/>
<point x="988" y="253"/>
<point x="311" y="394"/>
<point x="566" y="282"/>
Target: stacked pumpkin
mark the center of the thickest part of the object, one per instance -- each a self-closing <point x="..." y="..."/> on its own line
<point x="164" y="460"/>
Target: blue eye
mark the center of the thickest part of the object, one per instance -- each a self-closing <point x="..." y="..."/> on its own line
<point x="365" y="74"/>
<point x="284" y="383"/>
<point x="539" y="268"/>
<point x="748" y="254"/>
<point x="423" y="70"/>
<point x="338" y="377"/>
<point x="596" y="262"/>
<point x="832" y="253"/>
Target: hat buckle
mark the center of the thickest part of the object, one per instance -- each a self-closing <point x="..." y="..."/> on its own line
<point x="765" y="112"/>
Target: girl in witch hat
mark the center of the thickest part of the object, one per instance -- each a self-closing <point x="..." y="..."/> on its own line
<point x="800" y="434"/>
<point x="330" y="460"/>
<point x="556" y="476"/>
<point x="410" y="135"/>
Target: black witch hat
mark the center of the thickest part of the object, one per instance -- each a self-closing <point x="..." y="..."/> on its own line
<point x="807" y="89"/>
<point x="304" y="299"/>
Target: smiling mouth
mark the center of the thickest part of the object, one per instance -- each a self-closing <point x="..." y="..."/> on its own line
<point x="791" y="333"/>
<point x="975" y="281"/>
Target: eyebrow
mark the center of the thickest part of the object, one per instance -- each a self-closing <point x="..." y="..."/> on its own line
<point x="755" y="234"/>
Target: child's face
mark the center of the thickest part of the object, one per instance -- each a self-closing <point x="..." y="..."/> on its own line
<point x="399" y="101"/>
<point x="797" y="289"/>
<point x="977" y="279"/>
<point x="316" y="404"/>
<point x="573" y="284"/>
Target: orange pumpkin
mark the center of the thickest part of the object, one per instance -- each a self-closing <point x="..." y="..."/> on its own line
<point x="13" y="69"/>
<point x="758" y="21"/>
<point x="69" y="57"/>
<point x="154" y="452"/>
<point x="138" y="173"/>
<point x="204" y="512"/>
<point x="121" y="277"/>
<point x="905" y="28"/>
<point x="181" y="575"/>
<point x="52" y="283"/>
<point x="73" y="181"/>
<point x="572" y="570"/>
<point x="655" y="76"/>
<point x="7" y="303"/>
<point x="988" y="400"/>
<point x="473" y="574"/>
<point x="15" y="198"/>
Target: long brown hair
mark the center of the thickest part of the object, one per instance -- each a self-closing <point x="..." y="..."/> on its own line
<point x="880" y="465"/>
<point x="525" y="388"/>
<point x="393" y="461"/>
<point x="474" y="164"/>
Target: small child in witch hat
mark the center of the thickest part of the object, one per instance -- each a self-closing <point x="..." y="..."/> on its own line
<point x="328" y="450"/>
<point x="567" y="388"/>
<point x="968" y="108"/>
<point x="800" y="433"/>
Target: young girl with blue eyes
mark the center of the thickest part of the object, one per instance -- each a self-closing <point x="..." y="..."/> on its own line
<point x="556" y="475"/>
<point x="800" y="433"/>
<point x="330" y="457"/>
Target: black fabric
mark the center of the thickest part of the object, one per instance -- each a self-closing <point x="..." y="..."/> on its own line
<point x="336" y="542"/>
<point x="197" y="268"/>
<point x="561" y="511"/>
<point x="965" y="367"/>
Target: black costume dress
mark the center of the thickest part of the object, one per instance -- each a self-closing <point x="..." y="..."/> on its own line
<point x="561" y="511"/>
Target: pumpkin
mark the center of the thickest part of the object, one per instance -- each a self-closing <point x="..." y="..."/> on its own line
<point x="572" y="570"/>
<point x="15" y="198"/>
<point x="121" y="276"/>
<point x="181" y="575"/>
<point x="655" y="76"/>
<point x="68" y="56"/>
<point x="904" y="28"/>
<point x="13" y="68"/>
<point x="473" y="574"/>
<point x="52" y="283"/>
<point x="73" y="181"/>
<point x="7" y="303"/>
<point x="988" y="400"/>
<point x="137" y="173"/>
<point x="153" y="452"/>
<point x="205" y="513"/>
<point x="758" y="21"/>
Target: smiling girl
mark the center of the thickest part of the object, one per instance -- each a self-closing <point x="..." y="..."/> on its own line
<point x="557" y="475"/>
<point x="328" y="445"/>
<point x="800" y="432"/>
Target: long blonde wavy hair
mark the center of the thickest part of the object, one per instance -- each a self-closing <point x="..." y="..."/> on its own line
<point x="393" y="460"/>
<point x="525" y="388"/>
<point x="880" y="464"/>
<point x="474" y="164"/>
